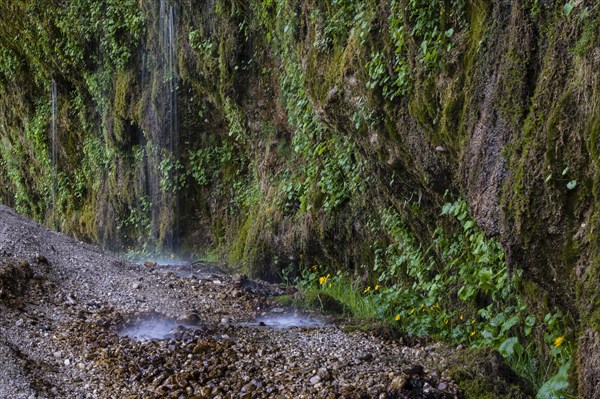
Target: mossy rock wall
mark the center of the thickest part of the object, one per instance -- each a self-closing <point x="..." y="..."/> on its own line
<point x="298" y="123"/>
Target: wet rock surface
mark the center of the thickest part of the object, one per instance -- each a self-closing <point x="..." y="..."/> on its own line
<point x="77" y="323"/>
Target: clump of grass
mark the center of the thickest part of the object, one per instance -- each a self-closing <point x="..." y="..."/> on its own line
<point x="339" y="294"/>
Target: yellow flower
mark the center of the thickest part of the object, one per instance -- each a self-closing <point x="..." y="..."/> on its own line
<point x="473" y="321"/>
<point x="412" y="311"/>
<point x="397" y="317"/>
<point x="472" y="333"/>
<point x="377" y="287"/>
<point x="558" y="341"/>
<point x="329" y="285"/>
<point x="323" y="280"/>
<point x="314" y="267"/>
<point x="446" y="321"/>
<point x="461" y="317"/>
<point x="367" y="289"/>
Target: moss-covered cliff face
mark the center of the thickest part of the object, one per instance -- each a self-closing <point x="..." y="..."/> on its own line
<point x="287" y="133"/>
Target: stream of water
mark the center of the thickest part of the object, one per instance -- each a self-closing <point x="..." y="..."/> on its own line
<point x="54" y="143"/>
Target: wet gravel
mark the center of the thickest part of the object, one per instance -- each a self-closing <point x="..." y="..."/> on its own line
<point x="78" y="323"/>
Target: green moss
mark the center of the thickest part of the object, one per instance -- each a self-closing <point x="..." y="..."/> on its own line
<point x="477" y="11"/>
<point x="123" y="81"/>
<point x="483" y="374"/>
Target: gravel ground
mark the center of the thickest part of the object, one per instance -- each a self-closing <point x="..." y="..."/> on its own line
<point x="66" y="309"/>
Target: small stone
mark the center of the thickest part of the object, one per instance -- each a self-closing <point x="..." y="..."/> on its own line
<point x="81" y="366"/>
<point x="256" y="383"/>
<point x="415" y="369"/>
<point x="248" y="387"/>
<point x="39" y="258"/>
<point x="67" y="362"/>
<point x="19" y="323"/>
<point x="428" y="389"/>
<point x="324" y="374"/>
<point x="398" y="382"/>
<point x="71" y="300"/>
<point x="137" y="286"/>
<point x="442" y="386"/>
<point x="192" y="317"/>
<point x="150" y="264"/>
<point x="315" y="379"/>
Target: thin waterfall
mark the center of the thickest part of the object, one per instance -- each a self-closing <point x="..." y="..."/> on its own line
<point x="173" y="122"/>
<point x="159" y="70"/>
<point x="172" y="85"/>
<point x="54" y="142"/>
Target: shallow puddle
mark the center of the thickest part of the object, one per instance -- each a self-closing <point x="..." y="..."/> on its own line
<point x="287" y="321"/>
<point x="154" y="327"/>
<point x="182" y="268"/>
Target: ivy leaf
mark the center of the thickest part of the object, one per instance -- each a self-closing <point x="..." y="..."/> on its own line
<point x="510" y="323"/>
<point x="449" y="32"/>
<point x="571" y="185"/>
<point x="556" y="385"/>
<point x="507" y="348"/>
<point x="468" y="224"/>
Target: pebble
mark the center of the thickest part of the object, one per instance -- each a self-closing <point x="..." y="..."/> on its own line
<point x="398" y="382"/>
<point x="67" y="362"/>
<point x="315" y="379"/>
<point x="324" y="374"/>
<point x="57" y="354"/>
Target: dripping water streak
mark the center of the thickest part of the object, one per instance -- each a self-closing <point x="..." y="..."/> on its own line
<point x="173" y="122"/>
<point x="54" y="140"/>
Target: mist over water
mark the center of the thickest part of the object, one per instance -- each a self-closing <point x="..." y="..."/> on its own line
<point x="289" y="321"/>
<point x="154" y="327"/>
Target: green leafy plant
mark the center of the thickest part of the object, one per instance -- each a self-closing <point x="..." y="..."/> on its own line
<point x="467" y="296"/>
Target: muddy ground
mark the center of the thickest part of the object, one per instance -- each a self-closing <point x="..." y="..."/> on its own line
<point x="76" y="322"/>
